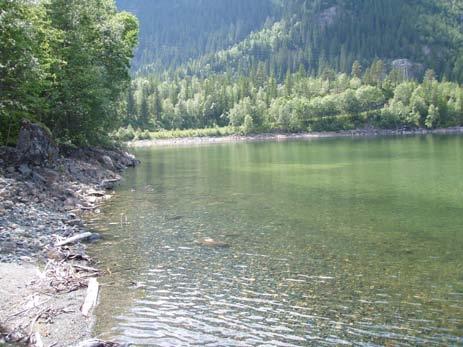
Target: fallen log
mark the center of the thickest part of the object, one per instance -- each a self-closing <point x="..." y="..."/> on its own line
<point x="74" y="239"/>
<point x="91" y="297"/>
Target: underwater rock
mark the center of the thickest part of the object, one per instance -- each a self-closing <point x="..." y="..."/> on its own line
<point x="208" y="242"/>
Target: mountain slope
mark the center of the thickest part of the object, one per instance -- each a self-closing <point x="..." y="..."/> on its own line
<point x="215" y="36"/>
<point x="175" y="31"/>
<point x="333" y="34"/>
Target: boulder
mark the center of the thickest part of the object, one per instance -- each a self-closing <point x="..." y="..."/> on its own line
<point x="109" y="183"/>
<point x="25" y="170"/>
<point x="51" y="176"/>
<point x="8" y="204"/>
<point x="9" y="155"/>
<point x="35" y="144"/>
<point x="107" y="162"/>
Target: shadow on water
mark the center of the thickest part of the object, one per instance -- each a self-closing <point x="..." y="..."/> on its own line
<point x="333" y="242"/>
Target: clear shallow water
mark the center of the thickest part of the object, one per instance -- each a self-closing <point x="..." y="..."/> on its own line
<point x="338" y="241"/>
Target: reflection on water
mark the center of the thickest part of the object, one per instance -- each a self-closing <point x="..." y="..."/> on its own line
<point x="332" y="242"/>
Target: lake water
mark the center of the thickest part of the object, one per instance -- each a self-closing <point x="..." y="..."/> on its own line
<point x="332" y="242"/>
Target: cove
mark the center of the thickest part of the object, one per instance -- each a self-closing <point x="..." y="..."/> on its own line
<point x="332" y="241"/>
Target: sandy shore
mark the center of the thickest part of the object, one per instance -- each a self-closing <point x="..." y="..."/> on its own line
<point x="60" y="322"/>
<point x="188" y="141"/>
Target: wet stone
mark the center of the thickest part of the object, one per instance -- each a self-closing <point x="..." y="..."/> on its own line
<point x="25" y="170"/>
<point x="8" y="247"/>
<point x="8" y="204"/>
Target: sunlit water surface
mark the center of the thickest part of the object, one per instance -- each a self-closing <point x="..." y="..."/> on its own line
<point x="339" y="241"/>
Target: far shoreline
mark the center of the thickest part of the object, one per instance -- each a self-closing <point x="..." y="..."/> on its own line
<point x="206" y="140"/>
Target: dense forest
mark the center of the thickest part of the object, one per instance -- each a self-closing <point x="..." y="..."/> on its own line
<point x="328" y="102"/>
<point x="173" y="32"/>
<point x="64" y="63"/>
<point x="214" y="36"/>
<point x="312" y="65"/>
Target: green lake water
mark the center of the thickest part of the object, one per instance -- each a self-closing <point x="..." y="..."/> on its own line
<point x="335" y="241"/>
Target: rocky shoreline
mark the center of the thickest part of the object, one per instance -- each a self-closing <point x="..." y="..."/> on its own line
<point x="45" y="194"/>
<point x="367" y="132"/>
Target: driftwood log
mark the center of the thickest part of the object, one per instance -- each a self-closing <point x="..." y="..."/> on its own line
<point x="92" y="296"/>
<point x="74" y="239"/>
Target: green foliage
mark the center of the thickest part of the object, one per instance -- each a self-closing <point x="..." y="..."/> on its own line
<point x="65" y="63"/>
<point x="432" y="117"/>
<point x="24" y="57"/>
<point x="329" y="102"/>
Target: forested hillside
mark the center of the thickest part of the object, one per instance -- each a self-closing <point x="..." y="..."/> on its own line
<point x="311" y="65"/>
<point x="176" y="31"/>
<point x="322" y="34"/>
<point x="237" y="36"/>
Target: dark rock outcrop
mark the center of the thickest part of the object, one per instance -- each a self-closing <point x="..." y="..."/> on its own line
<point x="8" y="156"/>
<point x="35" y="144"/>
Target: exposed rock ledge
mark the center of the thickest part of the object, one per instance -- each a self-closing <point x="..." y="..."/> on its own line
<point x="44" y="194"/>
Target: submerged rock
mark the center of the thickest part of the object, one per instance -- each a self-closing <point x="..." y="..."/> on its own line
<point x="109" y="183"/>
<point x="208" y="242"/>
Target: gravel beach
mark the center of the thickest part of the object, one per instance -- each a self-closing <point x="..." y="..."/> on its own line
<point x="42" y="202"/>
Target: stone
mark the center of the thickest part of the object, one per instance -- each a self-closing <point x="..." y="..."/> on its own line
<point x="9" y="155"/>
<point x="109" y="183"/>
<point x="91" y="199"/>
<point x="51" y="176"/>
<point x="208" y="242"/>
<point x="107" y="161"/>
<point x="94" y="238"/>
<point x="25" y="170"/>
<point x="55" y="255"/>
<point x="8" y="247"/>
<point x="37" y="178"/>
<point x="8" y="204"/>
<point x="74" y="222"/>
<point x="35" y="144"/>
<point x="98" y="193"/>
<point x="70" y="193"/>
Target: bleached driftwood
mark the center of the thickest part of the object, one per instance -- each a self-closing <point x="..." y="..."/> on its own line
<point x="38" y="340"/>
<point x="91" y="297"/>
<point x="74" y="238"/>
